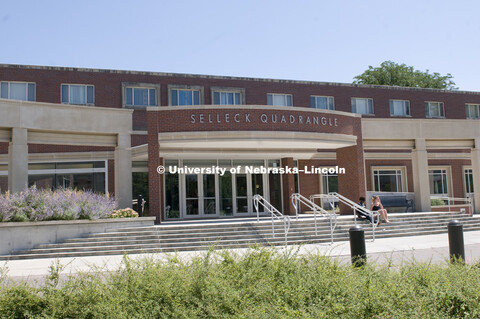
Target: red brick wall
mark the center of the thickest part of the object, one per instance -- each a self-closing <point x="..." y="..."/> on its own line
<point x="108" y="85"/>
<point x="288" y="187"/>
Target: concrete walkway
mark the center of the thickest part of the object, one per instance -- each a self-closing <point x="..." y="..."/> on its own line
<point x="430" y="248"/>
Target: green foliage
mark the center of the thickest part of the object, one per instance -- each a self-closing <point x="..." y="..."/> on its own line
<point x="124" y="213"/>
<point x="437" y="202"/>
<point x="260" y="284"/>
<point x="391" y="73"/>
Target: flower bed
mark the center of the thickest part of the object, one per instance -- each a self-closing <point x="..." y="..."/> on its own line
<point x="62" y="204"/>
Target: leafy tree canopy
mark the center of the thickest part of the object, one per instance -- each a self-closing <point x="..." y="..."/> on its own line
<point x="391" y="73"/>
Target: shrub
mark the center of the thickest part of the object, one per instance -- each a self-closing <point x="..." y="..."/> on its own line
<point x="62" y="204"/>
<point x="437" y="202"/>
<point x="122" y="213"/>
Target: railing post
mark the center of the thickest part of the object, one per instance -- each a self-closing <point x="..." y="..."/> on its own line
<point x="140" y="205"/>
<point x="455" y="241"/>
<point x="357" y="246"/>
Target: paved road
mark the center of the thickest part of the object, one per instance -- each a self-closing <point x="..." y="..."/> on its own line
<point x="430" y="248"/>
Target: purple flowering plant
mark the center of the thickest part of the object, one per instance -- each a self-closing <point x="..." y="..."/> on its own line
<point x="34" y="204"/>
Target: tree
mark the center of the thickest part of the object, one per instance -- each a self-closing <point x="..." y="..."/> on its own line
<point x="391" y="73"/>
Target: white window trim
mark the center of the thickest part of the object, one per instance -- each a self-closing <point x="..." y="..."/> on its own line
<point x="326" y="96"/>
<point x="139" y="85"/>
<point x="470" y="104"/>
<point x="428" y="116"/>
<point x="464" y="169"/>
<point x="449" y="178"/>
<point x="404" y="108"/>
<point x="27" y="83"/>
<point x="363" y="98"/>
<point x="221" y="89"/>
<point x="283" y="94"/>
<point x="186" y="88"/>
<point x="77" y="84"/>
<point x="403" y="170"/>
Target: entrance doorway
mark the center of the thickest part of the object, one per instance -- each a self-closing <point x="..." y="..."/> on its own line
<point x="216" y="195"/>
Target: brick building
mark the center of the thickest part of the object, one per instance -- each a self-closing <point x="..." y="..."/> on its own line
<point x="417" y="142"/>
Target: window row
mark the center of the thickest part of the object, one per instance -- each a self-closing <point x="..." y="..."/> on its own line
<point x="139" y="95"/>
<point x="386" y="179"/>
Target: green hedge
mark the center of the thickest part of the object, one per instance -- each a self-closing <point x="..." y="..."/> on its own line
<point x="259" y="284"/>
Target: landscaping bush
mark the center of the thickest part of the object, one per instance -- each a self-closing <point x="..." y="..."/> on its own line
<point x="124" y="213"/>
<point x="437" y="202"/>
<point x="62" y="204"/>
<point x="260" y="284"/>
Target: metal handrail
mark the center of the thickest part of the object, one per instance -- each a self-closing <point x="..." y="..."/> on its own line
<point x="331" y="197"/>
<point x="467" y="200"/>
<point x="298" y="199"/>
<point x="274" y="213"/>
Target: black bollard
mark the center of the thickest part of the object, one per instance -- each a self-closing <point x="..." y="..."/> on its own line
<point x="357" y="246"/>
<point x="455" y="241"/>
<point x="140" y="205"/>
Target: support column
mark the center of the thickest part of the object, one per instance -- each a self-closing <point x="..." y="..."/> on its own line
<point x="18" y="160"/>
<point x="288" y="187"/>
<point x="421" y="182"/>
<point x="475" y="158"/>
<point x="352" y="184"/>
<point x="123" y="171"/>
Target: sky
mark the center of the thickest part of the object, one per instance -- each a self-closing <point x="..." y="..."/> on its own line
<point x="312" y="40"/>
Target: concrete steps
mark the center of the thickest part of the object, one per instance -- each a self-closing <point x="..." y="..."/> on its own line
<point x="198" y="235"/>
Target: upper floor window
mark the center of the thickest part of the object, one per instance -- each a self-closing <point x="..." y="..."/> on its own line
<point x="434" y="109"/>
<point x="473" y="111"/>
<point x="279" y="99"/>
<point x="399" y="108"/>
<point x="322" y="102"/>
<point x="139" y="95"/>
<point x="77" y="94"/>
<point x="227" y="96"/>
<point x="22" y="91"/>
<point x="362" y="105"/>
<point x="186" y="95"/>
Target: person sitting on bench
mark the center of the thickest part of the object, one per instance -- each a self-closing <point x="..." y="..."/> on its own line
<point x="361" y="213"/>
<point x="378" y="207"/>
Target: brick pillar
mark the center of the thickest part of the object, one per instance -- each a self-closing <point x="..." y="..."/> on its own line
<point x="288" y="185"/>
<point x="351" y="184"/>
<point x="155" y="180"/>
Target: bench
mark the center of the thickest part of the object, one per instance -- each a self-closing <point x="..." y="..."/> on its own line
<point x="396" y="201"/>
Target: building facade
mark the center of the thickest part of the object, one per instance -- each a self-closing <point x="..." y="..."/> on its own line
<point x="417" y="142"/>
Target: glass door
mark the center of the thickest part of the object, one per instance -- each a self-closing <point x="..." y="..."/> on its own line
<point x="241" y="187"/>
<point x="209" y="201"/>
<point x="191" y="196"/>
<point x="225" y="195"/>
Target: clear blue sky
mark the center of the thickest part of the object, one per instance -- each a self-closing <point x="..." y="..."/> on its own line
<point x="315" y="40"/>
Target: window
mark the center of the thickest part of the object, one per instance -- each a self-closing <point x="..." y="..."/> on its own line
<point x="279" y="99"/>
<point x="468" y="181"/>
<point x="362" y="106"/>
<point x="21" y="91"/>
<point x="140" y="95"/>
<point x="434" y="109"/>
<point x="329" y="183"/>
<point x="438" y="179"/>
<point x="388" y="180"/>
<point x="77" y="94"/>
<point x="399" y="108"/>
<point x="185" y="95"/>
<point x="473" y="111"/>
<point x="322" y="102"/>
<point x="227" y="96"/>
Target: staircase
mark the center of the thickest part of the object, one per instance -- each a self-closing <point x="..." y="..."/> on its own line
<point x="238" y="233"/>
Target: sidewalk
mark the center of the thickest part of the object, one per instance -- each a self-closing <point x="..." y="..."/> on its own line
<point x="430" y="248"/>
